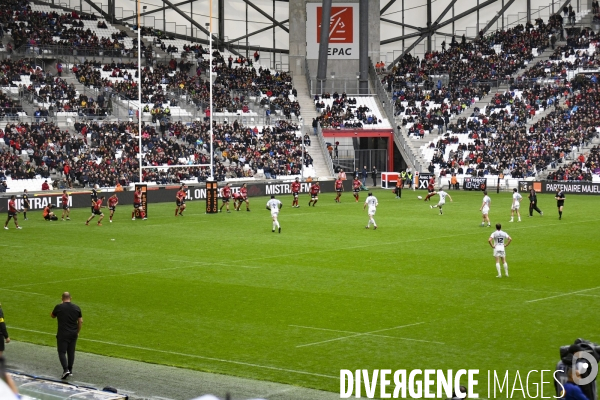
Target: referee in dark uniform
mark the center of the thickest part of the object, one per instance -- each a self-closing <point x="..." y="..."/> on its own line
<point x="560" y="202"/>
<point x="3" y="332"/>
<point x="26" y="204"/>
<point x="533" y="203"/>
<point x="94" y="197"/>
<point x="69" y="325"/>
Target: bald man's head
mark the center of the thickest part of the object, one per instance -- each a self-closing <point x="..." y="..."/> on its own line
<point x="66" y="296"/>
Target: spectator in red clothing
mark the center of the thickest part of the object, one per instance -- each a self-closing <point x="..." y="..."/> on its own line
<point x="45" y="186"/>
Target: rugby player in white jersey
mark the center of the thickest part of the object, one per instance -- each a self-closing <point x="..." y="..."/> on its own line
<point x="499" y="240"/>
<point x="371" y="202"/>
<point x="442" y="201"/>
<point x="516" y="204"/>
<point x="485" y="209"/>
<point x="274" y="205"/>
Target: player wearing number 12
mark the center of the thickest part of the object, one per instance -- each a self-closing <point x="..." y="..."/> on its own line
<point x="295" y="187"/>
<point x="274" y="205"/>
<point x="499" y="240"/>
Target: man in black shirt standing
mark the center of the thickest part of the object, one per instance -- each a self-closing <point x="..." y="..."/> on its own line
<point x="69" y="325"/>
<point x="533" y="203"/>
<point x="560" y="202"/>
<point x="94" y="196"/>
<point x="26" y="204"/>
<point x="3" y="332"/>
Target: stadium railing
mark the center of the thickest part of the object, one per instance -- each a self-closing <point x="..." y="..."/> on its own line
<point x="388" y="109"/>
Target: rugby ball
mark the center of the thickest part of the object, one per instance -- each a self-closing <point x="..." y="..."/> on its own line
<point x="420" y="197"/>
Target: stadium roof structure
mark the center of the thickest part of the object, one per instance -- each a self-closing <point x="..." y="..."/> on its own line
<point x="414" y="26"/>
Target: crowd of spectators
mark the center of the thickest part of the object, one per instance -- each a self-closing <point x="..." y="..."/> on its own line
<point x="35" y="29"/>
<point x="110" y="155"/>
<point x="502" y="142"/>
<point x="343" y="112"/>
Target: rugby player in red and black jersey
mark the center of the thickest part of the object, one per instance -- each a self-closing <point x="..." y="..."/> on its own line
<point x="430" y="188"/>
<point x="97" y="211"/>
<point x="180" y="200"/>
<point x="12" y="212"/>
<point x="237" y="201"/>
<point x="356" y="184"/>
<point x="339" y="188"/>
<point x="314" y="193"/>
<point x="112" y="205"/>
<point x="225" y="196"/>
<point x="65" y="205"/>
<point x="137" y="204"/>
<point x="244" y="193"/>
<point x="295" y="187"/>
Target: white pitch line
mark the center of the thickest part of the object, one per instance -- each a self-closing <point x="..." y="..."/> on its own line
<point x="22" y="291"/>
<point x="562" y="295"/>
<point x="175" y="353"/>
<point x="366" y="334"/>
<point x="372" y="334"/>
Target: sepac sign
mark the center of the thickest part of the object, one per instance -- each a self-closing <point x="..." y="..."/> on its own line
<point x="343" y="31"/>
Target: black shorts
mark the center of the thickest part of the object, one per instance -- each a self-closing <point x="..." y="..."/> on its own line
<point x="430" y="190"/>
<point x="356" y="190"/>
<point x="2" y="344"/>
<point x="560" y="203"/>
<point x="47" y="217"/>
<point x="225" y="199"/>
<point x="11" y="214"/>
<point x="137" y="205"/>
<point x="97" y="212"/>
<point x="65" y="207"/>
<point x="178" y="203"/>
<point x="314" y="196"/>
<point x="339" y="190"/>
<point x="112" y="208"/>
<point x="26" y="207"/>
<point x="295" y="194"/>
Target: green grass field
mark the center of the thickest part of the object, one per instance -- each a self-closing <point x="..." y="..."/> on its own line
<point x="221" y="293"/>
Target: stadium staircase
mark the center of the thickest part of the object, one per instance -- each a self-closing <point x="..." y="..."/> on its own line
<point x="308" y="110"/>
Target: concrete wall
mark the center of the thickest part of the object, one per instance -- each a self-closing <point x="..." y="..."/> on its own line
<point x="344" y="69"/>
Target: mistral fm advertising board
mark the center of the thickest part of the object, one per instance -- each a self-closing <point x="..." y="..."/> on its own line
<point x="343" y="31"/>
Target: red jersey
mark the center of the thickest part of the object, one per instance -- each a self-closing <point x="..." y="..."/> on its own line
<point x="295" y="187"/>
<point x="11" y="206"/>
<point x="244" y="193"/>
<point x="226" y="192"/>
<point x="112" y="201"/>
<point x="137" y="197"/>
<point x="237" y="196"/>
<point x="98" y="204"/>
<point x="314" y="189"/>
<point x="338" y="184"/>
<point x="65" y="200"/>
<point x="181" y="195"/>
<point x="356" y="184"/>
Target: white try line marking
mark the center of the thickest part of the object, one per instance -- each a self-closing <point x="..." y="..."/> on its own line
<point x="175" y="353"/>
<point x="357" y="334"/>
<point x="562" y="295"/>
